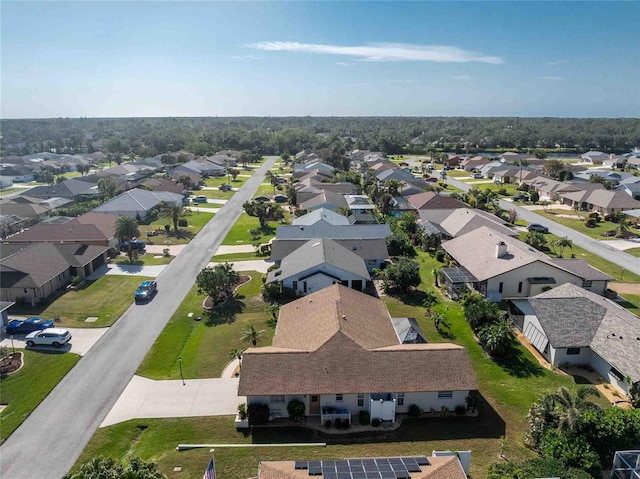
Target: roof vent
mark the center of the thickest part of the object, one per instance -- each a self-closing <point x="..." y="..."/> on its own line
<point x="344" y="317"/>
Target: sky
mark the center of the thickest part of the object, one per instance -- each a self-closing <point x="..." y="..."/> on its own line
<point x="449" y="58"/>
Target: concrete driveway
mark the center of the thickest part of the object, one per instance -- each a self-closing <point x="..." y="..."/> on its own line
<point x="81" y="341"/>
<point x="146" y="398"/>
<point x="128" y="270"/>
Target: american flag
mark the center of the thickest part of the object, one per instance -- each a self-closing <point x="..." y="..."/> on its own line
<point x="210" y="473"/>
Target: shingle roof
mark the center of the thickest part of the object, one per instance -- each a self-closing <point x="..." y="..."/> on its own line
<point x="30" y="266"/>
<point x="65" y="189"/>
<point x="575" y="317"/>
<point x="581" y="268"/>
<point x="138" y="199"/>
<point x="321" y="315"/>
<point x="431" y="200"/>
<point x="325" y="197"/>
<point x="89" y="228"/>
<point x="335" y="232"/>
<point x="321" y="214"/>
<point x="366" y="249"/>
<point x="439" y="468"/>
<point x="464" y="220"/>
<point x="612" y="199"/>
<point x="316" y="253"/>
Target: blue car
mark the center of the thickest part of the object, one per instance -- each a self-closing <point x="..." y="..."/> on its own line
<point x="145" y="291"/>
<point x="18" y="326"/>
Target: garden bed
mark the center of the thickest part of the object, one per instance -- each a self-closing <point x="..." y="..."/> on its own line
<point x="11" y="363"/>
<point x="208" y="304"/>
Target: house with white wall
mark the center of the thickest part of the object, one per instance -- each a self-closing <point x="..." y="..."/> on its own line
<point x="570" y="325"/>
<point x="502" y="267"/>
<point x="318" y="264"/>
<point x="338" y="352"/>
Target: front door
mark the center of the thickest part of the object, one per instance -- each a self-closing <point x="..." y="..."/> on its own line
<point x="314" y="406"/>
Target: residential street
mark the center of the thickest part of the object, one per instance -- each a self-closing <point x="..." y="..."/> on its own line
<point x="622" y="259"/>
<point x="48" y="443"/>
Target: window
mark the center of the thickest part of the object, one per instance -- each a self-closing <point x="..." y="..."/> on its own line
<point x="295" y="286"/>
<point x="314" y="398"/>
<point x="276" y="399"/>
<point x="500" y="287"/>
<point x="616" y="374"/>
<point x="304" y="286"/>
<point x="573" y="351"/>
<point x="360" y="400"/>
<point x="520" y="287"/>
<point x="24" y="290"/>
<point x="445" y="394"/>
<point x="339" y="397"/>
<point x="400" y="399"/>
<point x="586" y="284"/>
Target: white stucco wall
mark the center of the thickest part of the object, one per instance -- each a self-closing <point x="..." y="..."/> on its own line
<point x="429" y="400"/>
<point x="604" y="369"/>
<point x="320" y="281"/>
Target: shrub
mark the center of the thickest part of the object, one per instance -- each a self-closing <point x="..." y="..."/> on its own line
<point x="375" y="422"/>
<point x="440" y="255"/>
<point x="166" y="252"/>
<point x="414" y="410"/>
<point x="594" y="216"/>
<point x="338" y="423"/>
<point x="167" y="227"/>
<point x="242" y="411"/>
<point x="460" y="410"/>
<point x="502" y="191"/>
<point x="258" y="414"/>
<point x="75" y="281"/>
<point x="364" y="418"/>
<point x="296" y="409"/>
<point x="534" y="196"/>
<point x="183" y="222"/>
<point x="590" y="223"/>
<point x="327" y="424"/>
<point x="346" y="423"/>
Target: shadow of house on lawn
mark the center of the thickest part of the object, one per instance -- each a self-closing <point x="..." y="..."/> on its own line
<point x="486" y="425"/>
<point x="517" y="363"/>
<point x="226" y="312"/>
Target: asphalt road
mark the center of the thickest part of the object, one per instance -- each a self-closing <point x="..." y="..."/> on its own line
<point x="49" y="442"/>
<point x="615" y="256"/>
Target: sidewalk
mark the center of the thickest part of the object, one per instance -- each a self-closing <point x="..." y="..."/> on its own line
<point x="260" y="266"/>
<point x="146" y="398"/>
<point x="127" y="270"/>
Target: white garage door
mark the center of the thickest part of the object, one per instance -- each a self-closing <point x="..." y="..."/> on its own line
<point x="537" y="337"/>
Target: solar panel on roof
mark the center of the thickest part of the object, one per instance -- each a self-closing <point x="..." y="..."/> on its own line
<point x="330" y="475"/>
<point x="413" y="468"/>
<point x="358" y="475"/>
<point x="422" y="461"/>
<point x="372" y="475"/>
<point x="353" y="462"/>
<point x="388" y="475"/>
<point x="301" y="465"/>
<point x="315" y="470"/>
<point x="403" y="475"/>
<point x="344" y="475"/>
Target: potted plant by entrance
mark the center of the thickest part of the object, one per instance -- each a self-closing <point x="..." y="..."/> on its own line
<point x="242" y="418"/>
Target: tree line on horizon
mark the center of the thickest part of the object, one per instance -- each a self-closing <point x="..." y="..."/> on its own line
<point x="145" y="137"/>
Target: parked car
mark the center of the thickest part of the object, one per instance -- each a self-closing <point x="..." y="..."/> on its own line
<point x="538" y="228"/>
<point x="55" y="337"/>
<point x="520" y="198"/>
<point x="280" y="198"/>
<point x="476" y="176"/>
<point x="430" y="167"/>
<point x="200" y="199"/>
<point x="282" y="180"/>
<point x="25" y="326"/>
<point x="447" y="167"/>
<point x="430" y="179"/>
<point x="261" y="199"/>
<point x="145" y="291"/>
<point x="225" y="187"/>
<point x="136" y="244"/>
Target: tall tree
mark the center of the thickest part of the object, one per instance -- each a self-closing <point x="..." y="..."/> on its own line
<point x="107" y="187"/>
<point x="126" y="230"/>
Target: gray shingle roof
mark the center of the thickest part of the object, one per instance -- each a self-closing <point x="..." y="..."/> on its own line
<point x="368" y="249"/>
<point x="321" y="214"/>
<point x="138" y="199"/>
<point x="316" y="253"/>
<point x="339" y="232"/>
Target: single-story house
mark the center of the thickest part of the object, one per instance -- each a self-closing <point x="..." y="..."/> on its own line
<point x="16" y="173"/>
<point x="594" y="157"/>
<point x="138" y="203"/>
<point x="602" y="201"/>
<point x="511" y="175"/>
<point x="313" y="165"/>
<point x="33" y="272"/>
<point x="325" y="199"/>
<point x="434" y="207"/>
<point x="452" y="160"/>
<point x="160" y="184"/>
<point x="318" y="264"/>
<point x="474" y="162"/>
<point x="549" y="189"/>
<point x="464" y="220"/>
<point x="420" y="467"/>
<point x="501" y="267"/>
<point x="308" y="189"/>
<point x="570" y="325"/>
<point x="359" y="204"/>
<point x="90" y="228"/>
<point x="73" y="188"/>
<point x="200" y="167"/>
<point x="511" y="158"/>
<point x="338" y="352"/>
<point x="630" y="186"/>
<point x="615" y="161"/>
<point x="321" y="215"/>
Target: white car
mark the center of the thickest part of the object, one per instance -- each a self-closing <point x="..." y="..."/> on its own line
<point x="55" y="337"/>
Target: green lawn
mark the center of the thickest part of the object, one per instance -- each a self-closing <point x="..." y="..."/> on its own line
<point x="633" y="252"/>
<point x="107" y="298"/>
<point x="221" y="180"/>
<point x="458" y="174"/>
<point x="602" y="264"/>
<point x="195" y="220"/>
<point x="236" y="257"/>
<point x="578" y="224"/>
<point x="24" y="390"/>
<point x="213" y="194"/>
<point x="5" y="191"/>
<point x="239" y="233"/>
<point x="204" y="345"/>
<point x="143" y="260"/>
<point x="632" y="302"/>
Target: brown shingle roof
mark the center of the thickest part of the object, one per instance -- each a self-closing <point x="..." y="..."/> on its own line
<point x="446" y="467"/>
<point x="340" y="365"/>
<point x="431" y="200"/>
<point x="309" y="322"/>
<point x="88" y="228"/>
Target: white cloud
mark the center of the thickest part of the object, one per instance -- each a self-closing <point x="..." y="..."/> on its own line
<point x="247" y="57"/>
<point x="343" y="64"/>
<point x="463" y="77"/>
<point x="384" y="52"/>
<point x="552" y="78"/>
<point x="401" y="81"/>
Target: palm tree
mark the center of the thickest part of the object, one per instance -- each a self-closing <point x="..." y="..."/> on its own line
<point x="430" y="300"/>
<point x="562" y="243"/>
<point x="438" y="320"/>
<point x="237" y="354"/>
<point x="392" y="187"/>
<point x="175" y="210"/>
<point x="126" y="230"/>
<point x="251" y="335"/>
<point x="497" y="337"/>
<point x="273" y="309"/>
<point x="570" y="406"/>
<point x="273" y="179"/>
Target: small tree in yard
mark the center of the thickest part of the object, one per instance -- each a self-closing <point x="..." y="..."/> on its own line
<point x="497" y="337"/>
<point x="401" y="276"/>
<point x="251" y="335"/>
<point x="430" y="300"/>
<point x="126" y="229"/>
<point x="216" y="280"/>
<point x="296" y="409"/>
<point x="536" y="239"/>
<point x="513" y="216"/>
